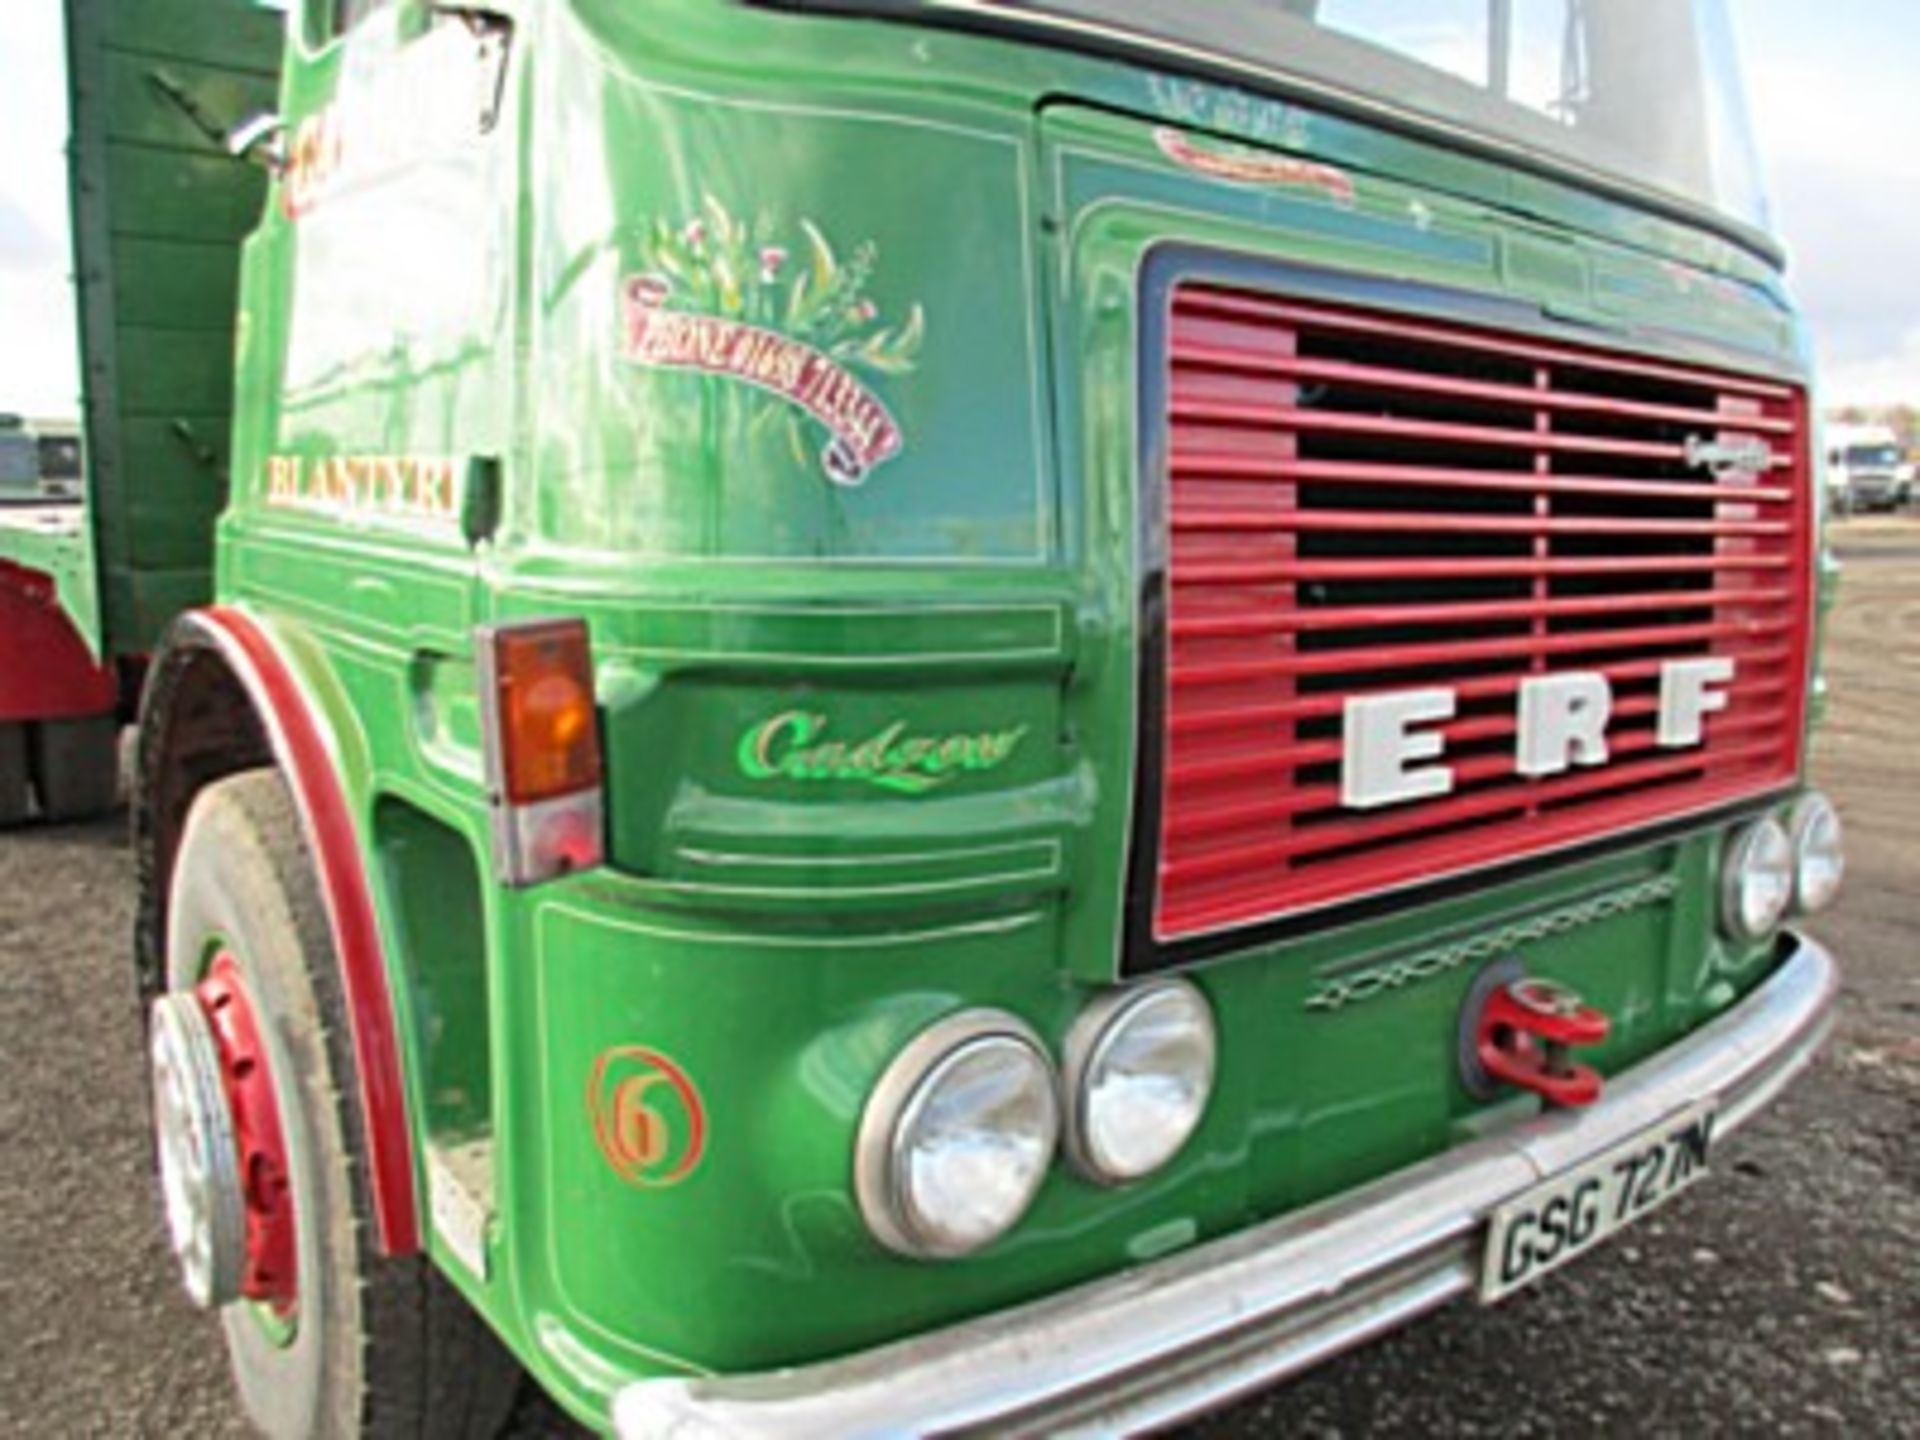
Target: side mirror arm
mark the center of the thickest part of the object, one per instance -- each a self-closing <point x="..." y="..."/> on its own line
<point x="261" y="139"/>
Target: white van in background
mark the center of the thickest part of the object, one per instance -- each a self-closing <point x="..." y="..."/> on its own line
<point x="40" y="460"/>
<point x="1865" y="469"/>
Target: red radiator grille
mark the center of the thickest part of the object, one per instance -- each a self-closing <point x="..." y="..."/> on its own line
<point x="1360" y="503"/>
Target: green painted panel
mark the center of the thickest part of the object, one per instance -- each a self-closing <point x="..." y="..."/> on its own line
<point x="197" y="295"/>
<point x="228" y="33"/>
<point x="806" y="217"/>
<point x="181" y="465"/>
<point x="159" y="210"/>
<point x="146" y="99"/>
<point x="169" y="373"/>
<point x="182" y="195"/>
<point x="56" y="544"/>
<point x="145" y="589"/>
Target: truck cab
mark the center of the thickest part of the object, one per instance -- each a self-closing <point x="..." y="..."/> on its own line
<point x="908" y="715"/>
<point x="39" y="461"/>
<point x="1866" y="469"/>
<point x="19" y="463"/>
<point x="60" y="460"/>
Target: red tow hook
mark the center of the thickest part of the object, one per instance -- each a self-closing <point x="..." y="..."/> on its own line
<point x="1525" y="1031"/>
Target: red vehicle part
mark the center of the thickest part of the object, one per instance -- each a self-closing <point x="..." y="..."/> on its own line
<point x="46" y="670"/>
<point x="1524" y="1033"/>
<point x="1361" y="501"/>
<point x="305" y="756"/>
<point x="270" y="1272"/>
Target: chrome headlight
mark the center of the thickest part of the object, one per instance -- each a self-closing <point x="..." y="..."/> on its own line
<point x="1818" y="861"/>
<point x="957" y="1136"/>
<point x="1139" y="1072"/>
<point x="1756" y="880"/>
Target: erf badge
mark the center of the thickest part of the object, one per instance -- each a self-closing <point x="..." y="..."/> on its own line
<point x="647" y="1118"/>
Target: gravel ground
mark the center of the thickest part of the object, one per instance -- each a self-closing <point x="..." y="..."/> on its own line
<point x="1783" y="1296"/>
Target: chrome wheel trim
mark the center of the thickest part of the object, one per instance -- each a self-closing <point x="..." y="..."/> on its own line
<point x="200" y="1183"/>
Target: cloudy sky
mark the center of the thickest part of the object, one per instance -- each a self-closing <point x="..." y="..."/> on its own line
<point x="1836" y="101"/>
<point x="38" y="374"/>
<point x="1835" y="87"/>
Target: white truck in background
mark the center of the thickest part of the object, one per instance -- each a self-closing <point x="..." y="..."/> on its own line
<point x="1866" y="469"/>
<point x="40" y="460"/>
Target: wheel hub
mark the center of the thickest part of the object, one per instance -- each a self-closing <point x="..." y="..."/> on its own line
<point x="223" y="1166"/>
<point x="199" y="1182"/>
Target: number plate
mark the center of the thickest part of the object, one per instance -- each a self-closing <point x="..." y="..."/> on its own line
<point x="1571" y="1213"/>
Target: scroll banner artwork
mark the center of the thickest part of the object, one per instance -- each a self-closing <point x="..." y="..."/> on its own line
<point x="864" y="433"/>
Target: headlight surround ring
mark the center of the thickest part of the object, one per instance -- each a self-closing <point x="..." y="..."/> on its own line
<point x="1098" y="1041"/>
<point x="1813" y="825"/>
<point x="903" y="1103"/>
<point x="1756" y="880"/>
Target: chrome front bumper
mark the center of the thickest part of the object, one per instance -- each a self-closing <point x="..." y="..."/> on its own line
<point x="1165" y="1340"/>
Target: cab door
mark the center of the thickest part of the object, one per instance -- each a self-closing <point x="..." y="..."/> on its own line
<point x="375" y="349"/>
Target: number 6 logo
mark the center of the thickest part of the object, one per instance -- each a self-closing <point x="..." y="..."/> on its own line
<point x="648" y="1122"/>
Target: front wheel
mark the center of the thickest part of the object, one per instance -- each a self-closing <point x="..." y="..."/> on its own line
<point x="264" y="1174"/>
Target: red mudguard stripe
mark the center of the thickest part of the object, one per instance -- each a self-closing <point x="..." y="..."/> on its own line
<point x="302" y="750"/>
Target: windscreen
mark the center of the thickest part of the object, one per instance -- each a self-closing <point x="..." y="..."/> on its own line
<point x="1646" y="91"/>
<point x="59" y="457"/>
<point x="19" y="463"/>
<point x="1872" y="457"/>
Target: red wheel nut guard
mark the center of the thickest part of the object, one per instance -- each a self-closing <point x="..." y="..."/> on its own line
<point x="270" y="1274"/>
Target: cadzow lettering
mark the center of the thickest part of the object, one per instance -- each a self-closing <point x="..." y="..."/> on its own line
<point x="1561" y="722"/>
<point x="792" y="745"/>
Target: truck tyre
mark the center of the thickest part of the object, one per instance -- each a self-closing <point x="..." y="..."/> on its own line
<point x="13" y="774"/>
<point x="76" y="766"/>
<point x="370" y="1345"/>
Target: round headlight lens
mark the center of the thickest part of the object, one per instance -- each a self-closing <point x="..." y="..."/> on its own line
<point x="1756" y="880"/>
<point x="957" y="1137"/>
<point x="1140" y="1069"/>
<point x="1818" y="858"/>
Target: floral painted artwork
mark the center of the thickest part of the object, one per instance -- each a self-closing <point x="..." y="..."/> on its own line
<point x="783" y="314"/>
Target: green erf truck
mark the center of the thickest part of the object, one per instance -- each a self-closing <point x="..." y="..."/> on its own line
<point x="905" y="716"/>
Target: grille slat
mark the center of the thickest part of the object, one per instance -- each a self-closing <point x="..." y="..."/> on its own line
<point x="1267" y="313"/>
<point x="1375" y="377"/>
<point x="1377" y="658"/>
<point x="1194" y="779"/>
<point x="1425" y="432"/>
<point x="1264" y="619"/>
<point x="1193" y="570"/>
<point x="1360" y="503"/>
<point x="1188" y="717"/>
<point x="1370" y="522"/>
<point x="1256" y="468"/>
<point x="1332" y="834"/>
<point x="1217" y="908"/>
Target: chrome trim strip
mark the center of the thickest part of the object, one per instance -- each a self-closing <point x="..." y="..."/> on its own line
<point x="1165" y="1340"/>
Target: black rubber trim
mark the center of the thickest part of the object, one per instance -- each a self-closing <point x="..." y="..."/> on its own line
<point x="1166" y="267"/>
